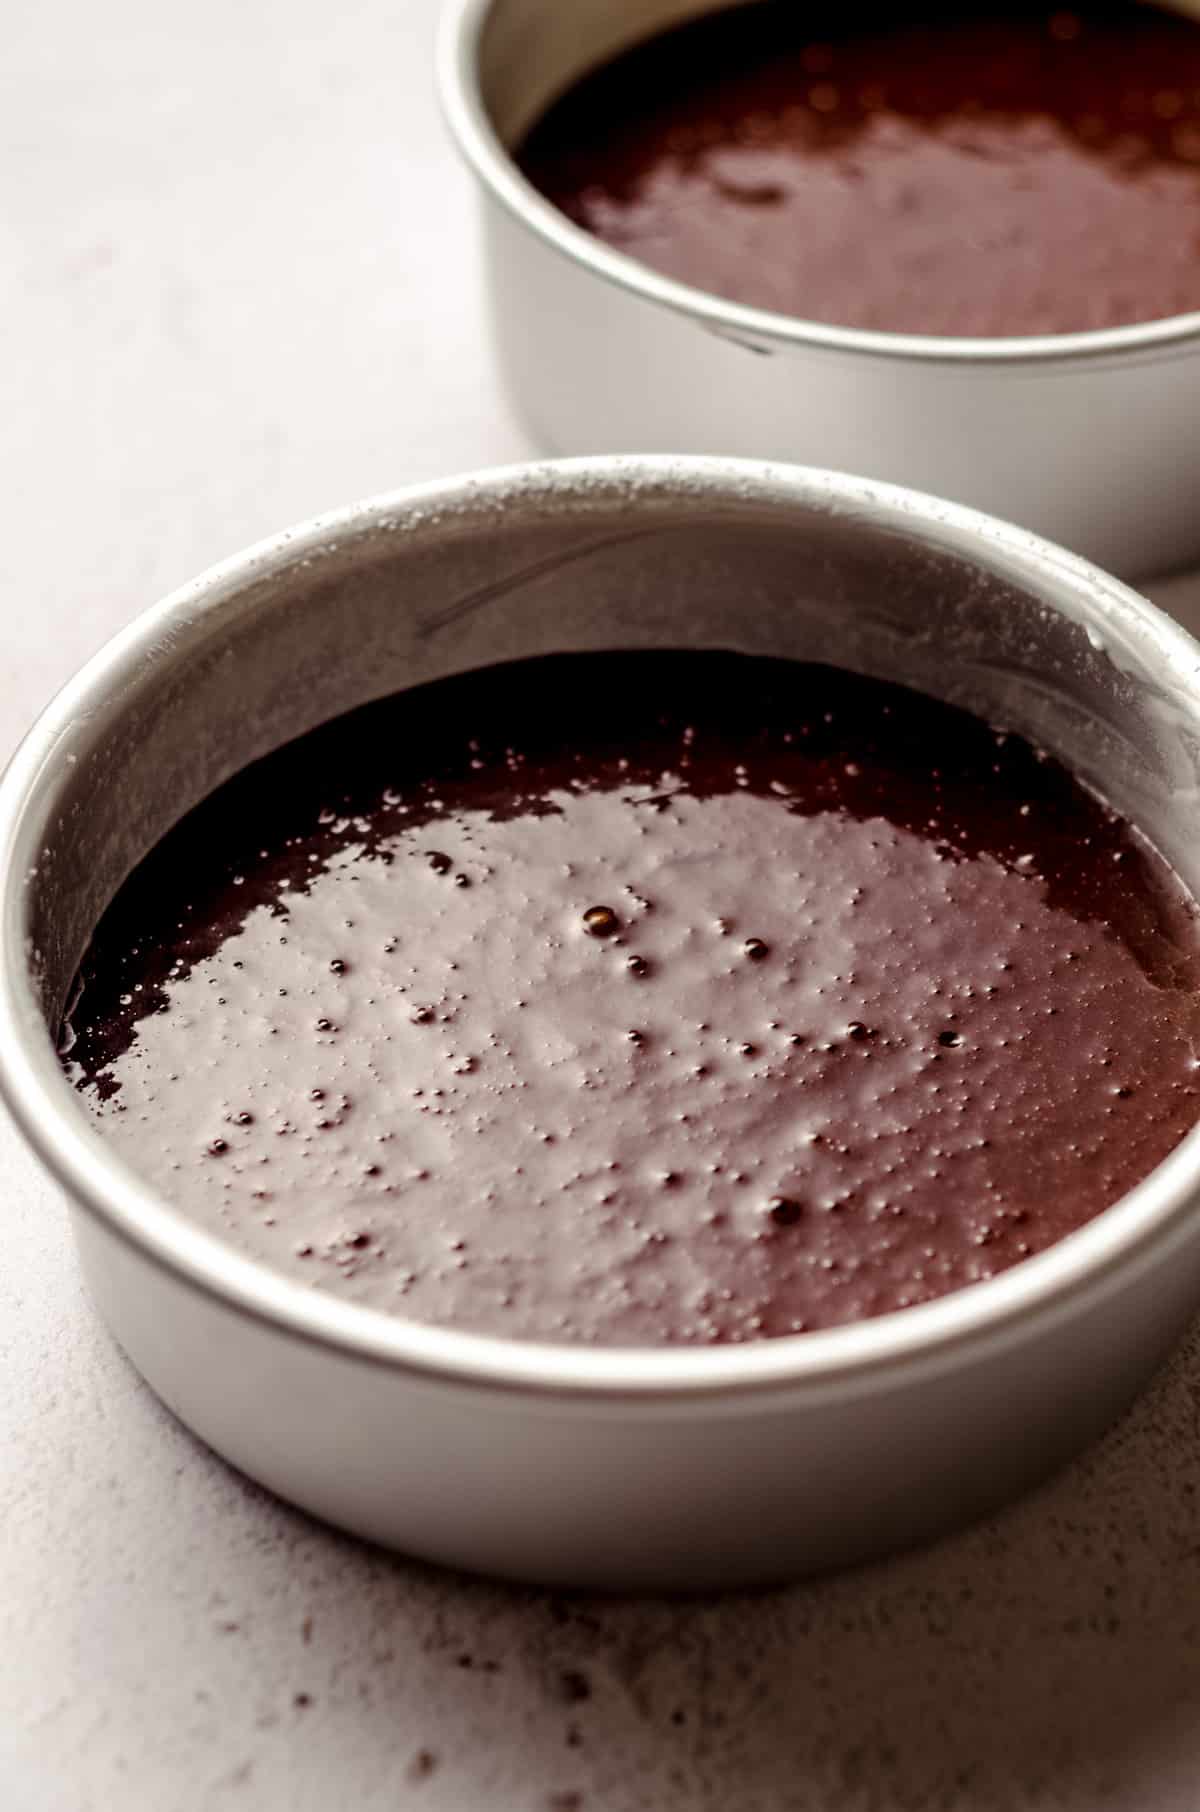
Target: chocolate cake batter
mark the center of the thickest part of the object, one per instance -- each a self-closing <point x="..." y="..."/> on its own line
<point x="645" y="998"/>
<point x="1005" y="171"/>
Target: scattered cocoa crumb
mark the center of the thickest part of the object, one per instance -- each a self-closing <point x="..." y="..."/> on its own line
<point x="423" y="1764"/>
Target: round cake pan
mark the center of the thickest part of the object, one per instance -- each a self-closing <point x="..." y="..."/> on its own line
<point x="1090" y="438"/>
<point x="660" y="1468"/>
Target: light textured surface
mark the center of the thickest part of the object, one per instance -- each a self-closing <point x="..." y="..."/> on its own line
<point x="238" y="283"/>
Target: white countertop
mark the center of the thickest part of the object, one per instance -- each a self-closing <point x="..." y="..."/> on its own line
<point x="238" y="273"/>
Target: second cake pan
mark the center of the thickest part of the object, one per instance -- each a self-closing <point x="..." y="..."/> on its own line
<point x="1092" y="439"/>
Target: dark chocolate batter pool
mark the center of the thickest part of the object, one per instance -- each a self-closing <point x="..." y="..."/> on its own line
<point x="645" y="998"/>
<point x="999" y="171"/>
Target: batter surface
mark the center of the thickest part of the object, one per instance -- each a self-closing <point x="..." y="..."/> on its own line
<point x="644" y="999"/>
<point x="955" y="171"/>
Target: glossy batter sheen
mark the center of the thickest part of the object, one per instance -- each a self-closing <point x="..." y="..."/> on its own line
<point x="1004" y="171"/>
<point x="645" y="998"/>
